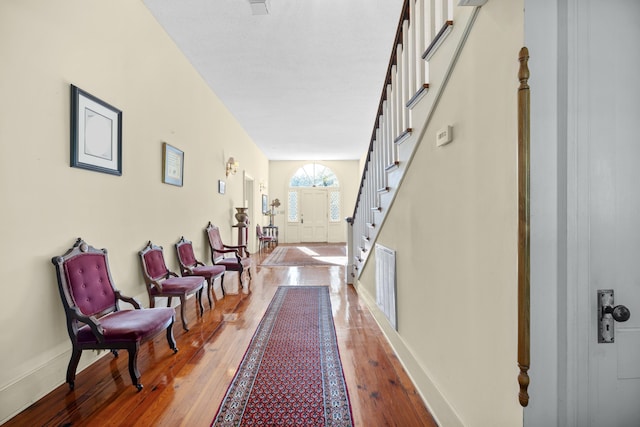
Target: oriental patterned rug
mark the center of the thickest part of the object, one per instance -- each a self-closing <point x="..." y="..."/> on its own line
<point x="299" y="255"/>
<point x="291" y="373"/>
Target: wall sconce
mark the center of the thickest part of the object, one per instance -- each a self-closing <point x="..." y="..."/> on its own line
<point x="232" y="166"/>
<point x="262" y="186"/>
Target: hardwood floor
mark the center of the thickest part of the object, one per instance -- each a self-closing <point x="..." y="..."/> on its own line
<point x="185" y="389"/>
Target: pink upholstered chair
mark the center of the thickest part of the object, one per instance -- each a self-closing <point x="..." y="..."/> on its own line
<point x="234" y="258"/>
<point x="190" y="266"/>
<point x="161" y="282"/>
<point x="263" y="239"/>
<point x="94" y="319"/>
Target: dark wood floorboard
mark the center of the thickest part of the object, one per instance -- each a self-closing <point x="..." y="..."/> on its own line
<point x="185" y="389"/>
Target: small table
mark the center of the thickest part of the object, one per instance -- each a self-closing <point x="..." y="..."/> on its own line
<point x="271" y="230"/>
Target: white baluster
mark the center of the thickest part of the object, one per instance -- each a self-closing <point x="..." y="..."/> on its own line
<point x="405" y="77"/>
<point x="412" y="83"/>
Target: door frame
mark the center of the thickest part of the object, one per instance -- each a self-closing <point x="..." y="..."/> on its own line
<point x="561" y="301"/>
<point x="558" y="307"/>
<point x="248" y="197"/>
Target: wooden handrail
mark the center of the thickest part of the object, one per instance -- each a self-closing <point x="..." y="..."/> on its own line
<point x="393" y="60"/>
<point x="523" y="227"/>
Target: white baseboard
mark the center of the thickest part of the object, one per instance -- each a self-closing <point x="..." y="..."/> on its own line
<point x="437" y="404"/>
<point x="27" y="389"/>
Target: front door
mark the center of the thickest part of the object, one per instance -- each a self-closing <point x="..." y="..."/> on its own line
<point x="608" y="141"/>
<point x="313" y="214"/>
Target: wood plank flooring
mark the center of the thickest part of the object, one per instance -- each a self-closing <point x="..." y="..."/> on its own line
<point x="185" y="389"/>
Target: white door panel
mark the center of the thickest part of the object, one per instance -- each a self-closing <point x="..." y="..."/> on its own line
<point x="610" y="133"/>
<point x="313" y="215"/>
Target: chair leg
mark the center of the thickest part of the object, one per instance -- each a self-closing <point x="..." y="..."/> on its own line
<point x="213" y="287"/>
<point x="210" y="291"/>
<point x="133" y="365"/>
<point x="222" y="285"/>
<point x="73" y="365"/>
<point x="185" y="326"/>
<point x="199" y="300"/>
<point x="171" y="339"/>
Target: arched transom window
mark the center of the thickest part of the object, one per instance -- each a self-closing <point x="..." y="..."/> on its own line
<point x="314" y="175"/>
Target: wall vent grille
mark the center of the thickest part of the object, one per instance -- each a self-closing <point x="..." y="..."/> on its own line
<point x="386" y="283"/>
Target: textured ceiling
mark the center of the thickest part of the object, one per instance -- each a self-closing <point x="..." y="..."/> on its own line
<point x="304" y="81"/>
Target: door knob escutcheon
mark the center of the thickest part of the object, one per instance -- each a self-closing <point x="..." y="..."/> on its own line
<point x="608" y="313"/>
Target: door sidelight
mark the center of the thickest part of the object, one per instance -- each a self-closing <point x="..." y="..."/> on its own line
<point x="607" y="313"/>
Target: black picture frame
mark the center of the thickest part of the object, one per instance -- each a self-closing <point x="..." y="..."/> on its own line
<point x="96" y="134"/>
<point x="172" y="165"/>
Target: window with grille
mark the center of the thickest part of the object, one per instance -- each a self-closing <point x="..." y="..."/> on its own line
<point x="293" y="206"/>
<point x="334" y="206"/>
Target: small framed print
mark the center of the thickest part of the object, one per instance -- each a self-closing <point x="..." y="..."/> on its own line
<point x="221" y="186"/>
<point x="96" y="134"/>
<point x="172" y="165"/>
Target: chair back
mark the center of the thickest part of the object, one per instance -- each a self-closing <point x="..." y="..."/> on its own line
<point x="153" y="265"/>
<point x="259" y="231"/>
<point x="186" y="256"/>
<point x="84" y="280"/>
<point x="215" y="241"/>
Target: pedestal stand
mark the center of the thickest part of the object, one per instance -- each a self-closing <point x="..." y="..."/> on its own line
<point x="243" y="230"/>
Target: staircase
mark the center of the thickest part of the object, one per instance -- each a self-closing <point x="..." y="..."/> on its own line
<point x="430" y="36"/>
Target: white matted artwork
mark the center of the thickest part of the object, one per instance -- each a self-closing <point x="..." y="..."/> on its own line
<point x="172" y="165"/>
<point x="96" y="134"/>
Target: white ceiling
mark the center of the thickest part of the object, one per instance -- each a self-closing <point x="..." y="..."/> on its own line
<point x="304" y="81"/>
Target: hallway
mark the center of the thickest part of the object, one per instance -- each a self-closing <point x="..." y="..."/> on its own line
<point x="186" y="388"/>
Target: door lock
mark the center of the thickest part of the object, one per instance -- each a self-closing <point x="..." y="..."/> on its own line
<point x="607" y="314"/>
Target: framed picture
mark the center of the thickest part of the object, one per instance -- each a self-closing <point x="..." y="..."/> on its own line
<point x="96" y="134"/>
<point x="221" y="186"/>
<point x="172" y="165"/>
<point x="265" y="204"/>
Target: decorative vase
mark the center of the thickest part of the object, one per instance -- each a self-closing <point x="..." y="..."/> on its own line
<point x="242" y="217"/>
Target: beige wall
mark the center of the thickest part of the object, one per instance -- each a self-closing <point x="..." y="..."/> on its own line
<point x="280" y="173"/>
<point x="116" y="51"/>
<point x="454" y="227"/>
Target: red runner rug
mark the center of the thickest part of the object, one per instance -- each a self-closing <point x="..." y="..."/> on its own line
<point x="291" y="373"/>
<point x="307" y="254"/>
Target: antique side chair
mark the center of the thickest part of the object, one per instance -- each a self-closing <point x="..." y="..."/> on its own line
<point x="190" y="266"/>
<point x="161" y="282"/>
<point x="94" y="319"/>
<point x="263" y="239"/>
<point x="234" y="258"/>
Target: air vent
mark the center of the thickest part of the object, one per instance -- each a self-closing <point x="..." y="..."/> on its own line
<point x="259" y="7"/>
<point x="386" y="283"/>
<point x="471" y="2"/>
